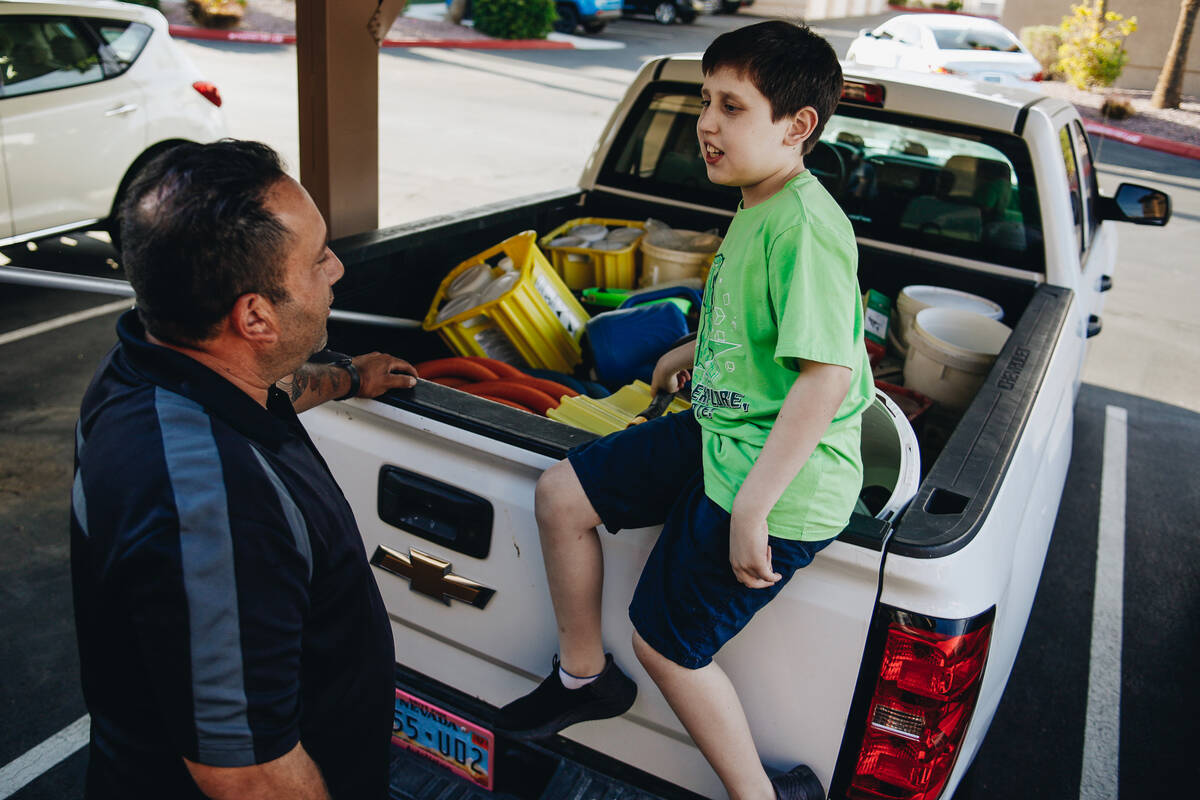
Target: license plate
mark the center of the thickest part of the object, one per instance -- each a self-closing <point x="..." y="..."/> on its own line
<point x="460" y="746"/>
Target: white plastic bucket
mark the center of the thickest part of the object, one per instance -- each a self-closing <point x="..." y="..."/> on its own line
<point x="950" y="353"/>
<point x="918" y="297"/>
<point x="663" y="265"/>
<point x="891" y="457"/>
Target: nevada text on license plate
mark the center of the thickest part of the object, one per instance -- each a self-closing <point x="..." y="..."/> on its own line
<point x="450" y="740"/>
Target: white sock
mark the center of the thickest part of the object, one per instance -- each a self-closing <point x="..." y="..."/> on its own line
<point x="571" y="682"/>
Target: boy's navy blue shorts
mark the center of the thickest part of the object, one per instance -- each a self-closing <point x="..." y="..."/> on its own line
<point x="687" y="603"/>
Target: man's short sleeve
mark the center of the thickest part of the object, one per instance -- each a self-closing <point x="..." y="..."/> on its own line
<point x="813" y="278"/>
<point x="217" y="610"/>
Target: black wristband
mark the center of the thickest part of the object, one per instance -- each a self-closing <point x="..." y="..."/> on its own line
<point x="355" y="379"/>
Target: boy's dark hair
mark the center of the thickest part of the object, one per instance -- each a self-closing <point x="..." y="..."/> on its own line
<point x="790" y="64"/>
<point x="196" y="236"/>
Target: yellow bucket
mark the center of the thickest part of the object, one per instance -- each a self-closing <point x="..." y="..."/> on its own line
<point x="526" y="317"/>
<point x="585" y="266"/>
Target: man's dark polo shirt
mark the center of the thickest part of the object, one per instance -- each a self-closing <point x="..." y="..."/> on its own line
<point x="223" y="602"/>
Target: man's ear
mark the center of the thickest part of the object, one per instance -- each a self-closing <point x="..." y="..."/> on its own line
<point x="804" y="122"/>
<point x="255" y="319"/>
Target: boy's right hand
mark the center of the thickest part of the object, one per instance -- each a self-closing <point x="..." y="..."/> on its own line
<point x="749" y="551"/>
<point x="674" y="368"/>
<point x="667" y="380"/>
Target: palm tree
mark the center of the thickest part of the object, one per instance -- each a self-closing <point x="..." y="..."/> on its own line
<point x="1169" y="89"/>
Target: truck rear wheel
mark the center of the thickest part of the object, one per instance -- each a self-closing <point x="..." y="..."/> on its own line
<point x="568" y="19"/>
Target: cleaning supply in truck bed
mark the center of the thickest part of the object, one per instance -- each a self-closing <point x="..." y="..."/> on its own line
<point x="669" y="254"/>
<point x="917" y="297"/>
<point x="950" y="353"/>
<point x="526" y="316"/>
<point x="610" y="414"/>
<point x="595" y="251"/>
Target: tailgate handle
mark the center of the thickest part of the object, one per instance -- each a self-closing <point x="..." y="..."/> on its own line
<point x="435" y="511"/>
<point x="1094" y="325"/>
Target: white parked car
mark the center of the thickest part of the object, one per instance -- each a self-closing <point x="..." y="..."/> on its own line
<point x="88" y="92"/>
<point x="949" y="44"/>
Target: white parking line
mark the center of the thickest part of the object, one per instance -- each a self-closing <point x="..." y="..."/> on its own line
<point x="27" y="768"/>
<point x="1102" y="729"/>
<point x="59" y="322"/>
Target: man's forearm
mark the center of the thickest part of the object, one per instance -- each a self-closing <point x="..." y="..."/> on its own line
<point x="292" y="776"/>
<point x="313" y="384"/>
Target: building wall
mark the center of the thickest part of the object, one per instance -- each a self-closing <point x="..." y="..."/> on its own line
<point x="1147" y="47"/>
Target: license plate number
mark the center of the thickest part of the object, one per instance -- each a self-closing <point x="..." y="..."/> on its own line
<point x="460" y="746"/>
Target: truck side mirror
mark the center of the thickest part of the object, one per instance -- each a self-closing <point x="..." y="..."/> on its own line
<point x="1138" y="204"/>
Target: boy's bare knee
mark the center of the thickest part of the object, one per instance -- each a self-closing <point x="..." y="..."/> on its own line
<point x="559" y="499"/>
<point x="651" y="659"/>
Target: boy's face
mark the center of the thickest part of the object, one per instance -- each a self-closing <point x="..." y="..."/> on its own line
<point x="740" y="143"/>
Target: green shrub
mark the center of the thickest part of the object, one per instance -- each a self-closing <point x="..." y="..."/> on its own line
<point x="1093" y="47"/>
<point x="1042" y="42"/>
<point x="515" y="19"/>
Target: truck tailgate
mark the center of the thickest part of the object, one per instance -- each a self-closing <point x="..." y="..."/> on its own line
<point x="795" y="665"/>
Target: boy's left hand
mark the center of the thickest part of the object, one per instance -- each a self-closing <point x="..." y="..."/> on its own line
<point x="749" y="552"/>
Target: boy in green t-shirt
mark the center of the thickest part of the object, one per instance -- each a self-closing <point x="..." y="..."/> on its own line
<point x="766" y="470"/>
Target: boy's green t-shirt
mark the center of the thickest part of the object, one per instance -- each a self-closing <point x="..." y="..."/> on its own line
<point x="783" y="286"/>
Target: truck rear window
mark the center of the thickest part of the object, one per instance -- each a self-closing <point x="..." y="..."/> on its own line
<point x="906" y="180"/>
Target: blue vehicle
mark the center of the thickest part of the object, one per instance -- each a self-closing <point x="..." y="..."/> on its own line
<point x="591" y="15"/>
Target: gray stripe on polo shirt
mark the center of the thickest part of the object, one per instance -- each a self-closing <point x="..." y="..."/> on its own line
<point x="78" y="499"/>
<point x="223" y="735"/>
<point x="291" y="511"/>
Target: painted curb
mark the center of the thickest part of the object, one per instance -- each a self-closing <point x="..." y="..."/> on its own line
<point x="258" y="37"/>
<point x="1170" y="146"/>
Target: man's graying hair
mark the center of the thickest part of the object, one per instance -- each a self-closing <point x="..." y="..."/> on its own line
<point x="196" y="236"/>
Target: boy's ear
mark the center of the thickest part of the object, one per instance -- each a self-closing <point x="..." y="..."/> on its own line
<point x="804" y="122"/>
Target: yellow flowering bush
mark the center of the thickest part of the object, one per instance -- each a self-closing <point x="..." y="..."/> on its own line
<point x="1092" y="52"/>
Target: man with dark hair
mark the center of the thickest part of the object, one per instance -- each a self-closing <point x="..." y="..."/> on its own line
<point x="232" y="640"/>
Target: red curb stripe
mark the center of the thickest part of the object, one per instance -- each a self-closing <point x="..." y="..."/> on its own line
<point x="1143" y="140"/>
<point x="257" y="37"/>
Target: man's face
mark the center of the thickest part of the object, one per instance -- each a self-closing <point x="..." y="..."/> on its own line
<point x="309" y="271"/>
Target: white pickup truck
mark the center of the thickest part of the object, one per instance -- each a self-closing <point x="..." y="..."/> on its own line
<point x="882" y="664"/>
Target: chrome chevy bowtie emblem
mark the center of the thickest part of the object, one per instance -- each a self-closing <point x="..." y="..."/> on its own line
<point x="431" y="576"/>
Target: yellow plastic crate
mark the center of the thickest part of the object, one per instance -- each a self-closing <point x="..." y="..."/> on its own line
<point x="536" y="323"/>
<point x="613" y="269"/>
<point x="609" y="414"/>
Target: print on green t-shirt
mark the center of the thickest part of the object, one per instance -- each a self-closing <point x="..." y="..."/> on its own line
<point x="782" y="288"/>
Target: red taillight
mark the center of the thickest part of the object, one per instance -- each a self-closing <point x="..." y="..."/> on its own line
<point x="209" y="90"/>
<point x="1040" y="76"/>
<point x="928" y="683"/>
<point x="869" y="93"/>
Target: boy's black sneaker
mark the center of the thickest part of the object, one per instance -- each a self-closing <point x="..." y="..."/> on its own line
<point x="799" y="784"/>
<point x="551" y="706"/>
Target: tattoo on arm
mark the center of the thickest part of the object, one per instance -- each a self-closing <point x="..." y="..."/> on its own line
<point x="297" y="385"/>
